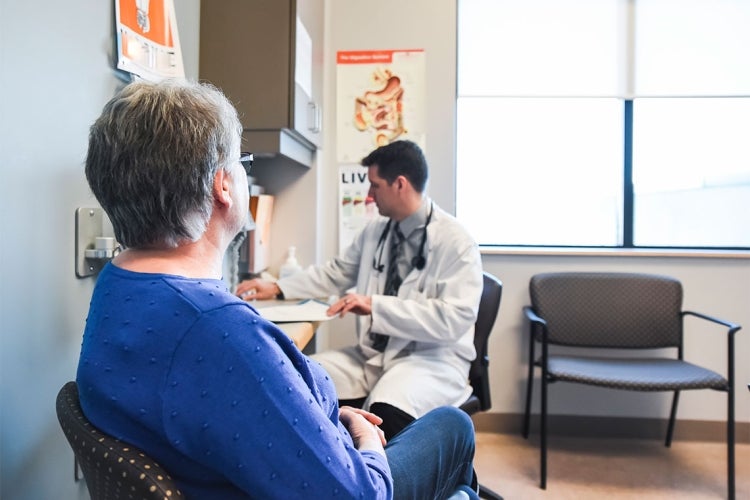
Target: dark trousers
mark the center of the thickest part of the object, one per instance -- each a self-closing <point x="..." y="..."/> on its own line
<point x="394" y="419"/>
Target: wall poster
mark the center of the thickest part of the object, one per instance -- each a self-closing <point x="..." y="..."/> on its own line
<point x="148" y="45"/>
<point x="356" y="209"/>
<point x="380" y="99"/>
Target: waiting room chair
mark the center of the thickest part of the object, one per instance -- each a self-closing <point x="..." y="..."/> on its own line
<point x="112" y="469"/>
<point x="599" y="311"/>
<point x="479" y="376"/>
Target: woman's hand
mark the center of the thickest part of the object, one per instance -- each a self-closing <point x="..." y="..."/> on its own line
<point x="363" y="427"/>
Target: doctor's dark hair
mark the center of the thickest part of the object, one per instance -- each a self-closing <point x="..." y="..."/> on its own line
<point x="400" y="158"/>
<point x="152" y="157"/>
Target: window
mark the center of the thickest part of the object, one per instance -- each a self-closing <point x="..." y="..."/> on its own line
<point x="604" y="123"/>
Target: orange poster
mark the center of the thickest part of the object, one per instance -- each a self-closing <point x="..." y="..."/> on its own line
<point x="147" y="41"/>
<point x="380" y="100"/>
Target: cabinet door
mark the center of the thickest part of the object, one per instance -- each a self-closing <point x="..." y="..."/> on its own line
<point x="308" y="69"/>
<point x="245" y="50"/>
<point x="267" y="57"/>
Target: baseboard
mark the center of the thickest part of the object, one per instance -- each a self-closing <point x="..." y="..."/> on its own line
<point x="618" y="427"/>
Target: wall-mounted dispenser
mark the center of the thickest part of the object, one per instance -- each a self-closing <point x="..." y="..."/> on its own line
<point x="95" y="245"/>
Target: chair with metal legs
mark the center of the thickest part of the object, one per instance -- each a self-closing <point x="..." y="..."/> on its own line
<point x="593" y="312"/>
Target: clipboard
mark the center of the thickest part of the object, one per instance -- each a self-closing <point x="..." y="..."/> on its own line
<point x="310" y="310"/>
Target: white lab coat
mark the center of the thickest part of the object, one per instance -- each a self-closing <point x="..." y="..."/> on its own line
<point x="430" y="323"/>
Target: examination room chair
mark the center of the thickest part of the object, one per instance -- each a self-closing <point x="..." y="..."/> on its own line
<point x="112" y="469"/>
<point x="590" y="313"/>
<point x="479" y="376"/>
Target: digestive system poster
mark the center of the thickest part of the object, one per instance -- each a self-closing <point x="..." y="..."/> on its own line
<point x="380" y="99"/>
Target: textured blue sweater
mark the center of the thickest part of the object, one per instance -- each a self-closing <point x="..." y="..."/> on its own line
<point x="217" y="395"/>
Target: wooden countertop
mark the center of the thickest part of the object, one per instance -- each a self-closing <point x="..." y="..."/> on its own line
<point x="301" y="333"/>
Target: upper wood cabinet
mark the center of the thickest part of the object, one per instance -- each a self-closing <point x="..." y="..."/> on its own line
<point x="267" y="57"/>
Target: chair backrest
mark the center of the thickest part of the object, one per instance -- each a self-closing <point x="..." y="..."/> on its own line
<point x="489" y="305"/>
<point x="626" y="310"/>
<point x="113" y="469"/>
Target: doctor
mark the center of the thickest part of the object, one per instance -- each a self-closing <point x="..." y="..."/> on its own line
<point x="417" y="275"/>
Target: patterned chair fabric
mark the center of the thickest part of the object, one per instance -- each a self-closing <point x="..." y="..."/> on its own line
<point x="598" y="311"/>
<point x="634" y="374"/>
<point x="113" y="469"/>
<point x="609" y="309"/>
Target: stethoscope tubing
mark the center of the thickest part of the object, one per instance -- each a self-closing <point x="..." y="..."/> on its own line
<point x="418" y="261"/>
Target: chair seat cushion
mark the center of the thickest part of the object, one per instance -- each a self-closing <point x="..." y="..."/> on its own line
<point x="471" y="405"/>
<point x="636" y="374"/>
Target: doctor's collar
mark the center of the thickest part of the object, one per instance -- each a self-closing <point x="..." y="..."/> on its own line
<point x="418" y="219"/>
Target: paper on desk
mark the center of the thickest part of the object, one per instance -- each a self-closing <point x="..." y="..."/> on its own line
<point x="307" y="310"/>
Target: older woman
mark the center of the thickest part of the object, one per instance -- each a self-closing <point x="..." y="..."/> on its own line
<point x="178" y="366"/>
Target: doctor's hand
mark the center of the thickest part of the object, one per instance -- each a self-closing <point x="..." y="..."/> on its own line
<point x="363" y="427"/>
<point x="358" y="304"/>
<point x="257" y="289"/>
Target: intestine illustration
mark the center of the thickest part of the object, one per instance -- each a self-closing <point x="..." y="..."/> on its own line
<point x="381" y="109"/>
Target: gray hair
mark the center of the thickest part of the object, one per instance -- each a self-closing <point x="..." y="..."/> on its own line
<point x="152" y="157"/>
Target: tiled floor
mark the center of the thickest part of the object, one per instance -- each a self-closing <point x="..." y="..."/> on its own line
<point x="610" y="469"/>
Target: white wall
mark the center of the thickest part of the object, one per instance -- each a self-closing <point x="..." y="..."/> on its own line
<point x="390" y="24"/>
<point x="714" y="286"/>
<point x="55" y="76"/>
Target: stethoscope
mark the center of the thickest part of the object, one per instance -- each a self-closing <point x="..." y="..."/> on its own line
<point x="418" y="261"/>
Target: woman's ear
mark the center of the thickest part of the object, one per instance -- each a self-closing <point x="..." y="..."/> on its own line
<point x="222" y="188"/>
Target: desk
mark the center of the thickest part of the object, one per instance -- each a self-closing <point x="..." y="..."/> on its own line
<point x="301" y="333"/>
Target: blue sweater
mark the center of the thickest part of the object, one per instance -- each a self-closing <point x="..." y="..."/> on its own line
<point x="216" y="394"/>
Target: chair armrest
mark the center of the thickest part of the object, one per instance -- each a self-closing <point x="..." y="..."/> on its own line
<point x="537" y="325"/>
<point x="733" y="327"/>
<point x="532" y="316"/>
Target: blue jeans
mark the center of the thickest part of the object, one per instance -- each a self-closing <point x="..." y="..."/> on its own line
<point x="433" y="456"/>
